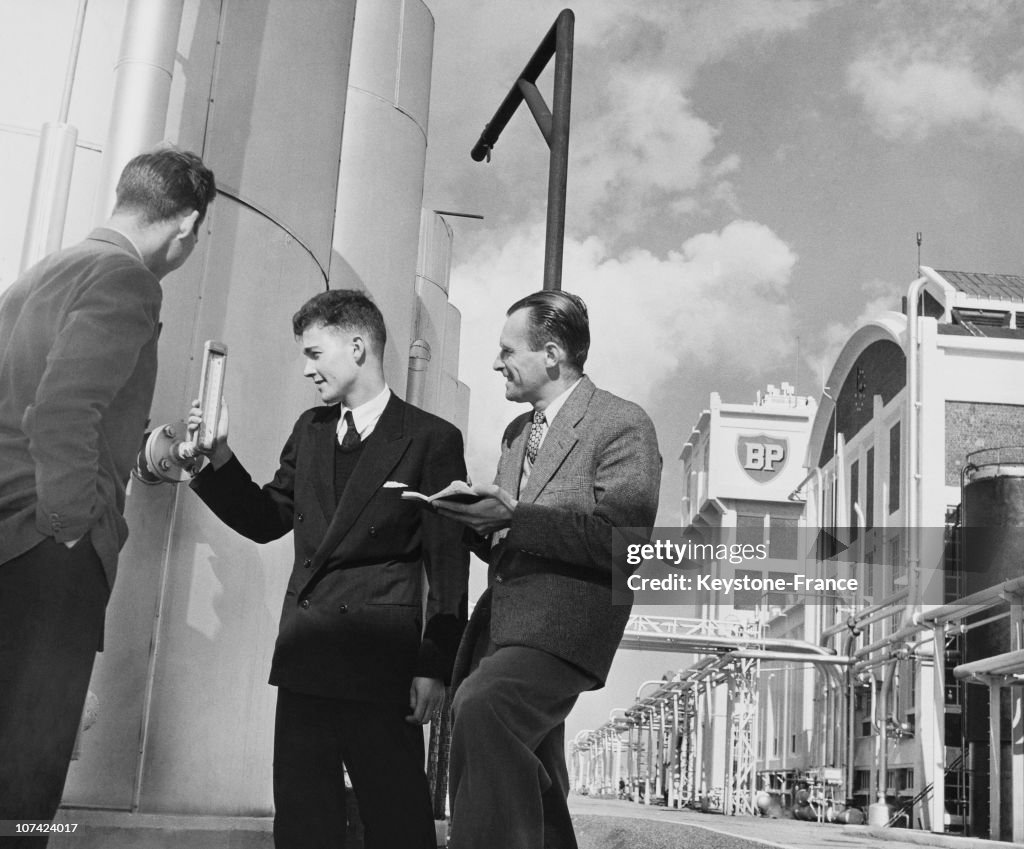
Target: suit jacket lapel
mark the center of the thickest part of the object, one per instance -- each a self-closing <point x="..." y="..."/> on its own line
<point x="324" y="435"/>
<point x="380" y="455"/>
<point x="560" y="439"/>
<point x="511" y="469"/>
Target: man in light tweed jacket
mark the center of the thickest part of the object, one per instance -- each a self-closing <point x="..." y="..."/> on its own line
<point x="580" y="463"/>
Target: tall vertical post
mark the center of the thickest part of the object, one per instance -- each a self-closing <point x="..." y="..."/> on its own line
<point x="1016" y="723"/>
<point x="554" y="126"/>
<point x="558" y="171"/>
<point x="995" y="767"/>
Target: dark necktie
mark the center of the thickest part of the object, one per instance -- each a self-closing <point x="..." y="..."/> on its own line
<point x="351" y="440"/>
<point x="536" y="432"/>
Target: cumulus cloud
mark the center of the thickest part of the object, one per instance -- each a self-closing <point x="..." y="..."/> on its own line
<point x="880" y="297"/>
<point x="912" y="96"/>
<point x="647" y="146"/>
<point x="641" y="156"/>
<point x="655" y="321"/>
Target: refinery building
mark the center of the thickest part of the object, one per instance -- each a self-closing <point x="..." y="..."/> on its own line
<point x="898" y="704"/>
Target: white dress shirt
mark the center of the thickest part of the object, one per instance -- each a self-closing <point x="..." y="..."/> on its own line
<point x="549" y="416"/>
<point x="365" y="415"/>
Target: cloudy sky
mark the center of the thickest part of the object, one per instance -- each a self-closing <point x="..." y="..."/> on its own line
<point x="746" y="180"/>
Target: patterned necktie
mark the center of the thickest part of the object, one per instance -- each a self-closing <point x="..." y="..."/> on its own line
<point x="351" y="440"/>
<point x="536" y="432"/>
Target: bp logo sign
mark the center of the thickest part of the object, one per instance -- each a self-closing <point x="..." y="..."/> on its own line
<point x="762" y="457"/>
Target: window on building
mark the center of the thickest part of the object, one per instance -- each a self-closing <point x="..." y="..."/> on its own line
<point x="868" y="582"/>
<point x="747" y="599"/>
<point x="750" y="528"/>
<point x="781" y="599"/>
<point x="894" y="468"/>
<point x="827" y="543"/>
<point x="897" y="564"/>
<point x="783" y="532"/>
<point x="854" y="498"/>
<point x="869" y="491"/>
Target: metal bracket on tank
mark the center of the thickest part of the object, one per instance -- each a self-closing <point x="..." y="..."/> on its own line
<point x="164" y="458"/>
<point x="174" y="454"/>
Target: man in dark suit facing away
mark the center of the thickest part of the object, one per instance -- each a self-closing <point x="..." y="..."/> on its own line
<point x="78" y="343"/>
<point x="358" y="670"/>
<point x="579" y="464"/>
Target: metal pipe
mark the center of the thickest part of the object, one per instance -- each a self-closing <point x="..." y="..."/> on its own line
<point x="901" y="636"/>
<point x="142" y="85"/>
<point x="878" y="813"/>
<point x="938" y="748"/>
<point x="142" y="89"/>
<point x="981" y="600"/>
<point x="648" y="779"/>
<point x="995" y="767"/>
<point x="659" y="783"/>
<point x="419" y="361"/>
<point x="677" y="776"/>
<point x="539" y="60"/>
<point x="823" y="660"/>
<point x="850" y="720"/>
<point x="541" y="113"/>
<point x="69" y="77"/>
<point x="913" y="517"/>
<point x="879" y="610"/>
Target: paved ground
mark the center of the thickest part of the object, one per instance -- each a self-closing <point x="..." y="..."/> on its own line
<point x="600" y="824"/>
<point x="611" y="824"/>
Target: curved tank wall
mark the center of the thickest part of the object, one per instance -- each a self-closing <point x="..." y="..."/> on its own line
<point x="380" y="186"/>
<point x="185" y="716"/>
<point x="259" y="88"/>
<point x="431" y="303"/>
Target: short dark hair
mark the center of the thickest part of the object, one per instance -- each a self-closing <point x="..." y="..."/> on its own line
<point x="561" y="317"/>
<point x="163" y="183"/>
<point x="346" y="309"/>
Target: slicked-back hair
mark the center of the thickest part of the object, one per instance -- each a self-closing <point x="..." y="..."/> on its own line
<point x="163" y="183"/>
<point x="346" y="309"/>
<point x="560" y="317"/>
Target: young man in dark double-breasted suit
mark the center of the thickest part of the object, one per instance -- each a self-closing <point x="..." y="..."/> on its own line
<point x="358" y="664"/>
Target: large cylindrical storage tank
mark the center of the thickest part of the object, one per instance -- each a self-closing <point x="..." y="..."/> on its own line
<point x="992" y="517"/>
<point x="185" y="718"/>
<point x="380" y="188"/>
<point x="992" y="528"/>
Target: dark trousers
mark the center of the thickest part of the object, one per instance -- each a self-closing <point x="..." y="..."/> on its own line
<point x="52" y="605"/>
<point x="507" y="777"/>
<point x="313" y="738"/>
